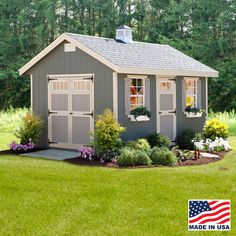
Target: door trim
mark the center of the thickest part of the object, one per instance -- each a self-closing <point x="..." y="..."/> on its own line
<point x="158" y="80"/>
<point x="70" y="92"/>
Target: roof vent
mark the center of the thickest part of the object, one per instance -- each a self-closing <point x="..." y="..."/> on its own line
<point x="124" y="33"/>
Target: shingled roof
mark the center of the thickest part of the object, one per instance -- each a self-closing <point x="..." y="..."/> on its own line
<point x="139" y="57"/>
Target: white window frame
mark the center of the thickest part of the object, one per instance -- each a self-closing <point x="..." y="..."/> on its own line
<point x="196" y="91"/>
<point x="144" y="90"/>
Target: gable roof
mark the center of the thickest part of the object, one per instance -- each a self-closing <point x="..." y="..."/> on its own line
<point x="136" y="57"/>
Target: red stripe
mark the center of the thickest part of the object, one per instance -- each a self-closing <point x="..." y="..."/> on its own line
<point x="209" y="214"/>
<point x="214" y="219"/>
<point x="219" y="205"/>
<point x="212" y="202"/>
<point x="224" y="221"/>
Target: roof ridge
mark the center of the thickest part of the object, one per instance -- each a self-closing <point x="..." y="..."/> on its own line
<point x="100" y="37"/>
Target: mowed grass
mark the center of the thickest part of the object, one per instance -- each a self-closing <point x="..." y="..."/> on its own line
<point x="40" y="197"/>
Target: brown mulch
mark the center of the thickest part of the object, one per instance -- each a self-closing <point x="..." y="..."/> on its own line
<point x="204" y="160"/>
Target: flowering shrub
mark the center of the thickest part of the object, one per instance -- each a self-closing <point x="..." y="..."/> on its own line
<point x="219" y="144"/>
<point x="215" y="128"/>
<point x="87" y="152"/>
<point x="22" y="147"/>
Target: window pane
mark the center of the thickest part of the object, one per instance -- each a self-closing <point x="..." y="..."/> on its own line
<point x="133" y="82"/>
<point x="166" y="86"/>
<point x="133" y="90"/>
<point x="140" y="82"/>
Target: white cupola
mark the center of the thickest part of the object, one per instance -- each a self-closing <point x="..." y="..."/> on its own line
<point x="124" y="34"/>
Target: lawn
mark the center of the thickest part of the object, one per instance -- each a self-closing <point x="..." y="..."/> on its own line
<point x="40" y="197"/>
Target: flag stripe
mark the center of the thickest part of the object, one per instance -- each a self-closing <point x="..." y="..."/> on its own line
<point x="224" y="221"/>
<point x="209" y="214"/>
<point x="219" y="205"/>
<point x="212" y="202"/>
<point x="214" y="219"/>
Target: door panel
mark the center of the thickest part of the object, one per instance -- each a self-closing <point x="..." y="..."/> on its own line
<point x="166" y="102"/>
<point x="70" y="105"/>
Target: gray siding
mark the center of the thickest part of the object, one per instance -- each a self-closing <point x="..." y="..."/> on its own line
<point x="136" y="129"/>
<point x="59" y="62"/>
<point x="183" y="123"/>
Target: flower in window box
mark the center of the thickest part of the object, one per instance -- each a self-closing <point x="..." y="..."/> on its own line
<point x="140" y="111"/>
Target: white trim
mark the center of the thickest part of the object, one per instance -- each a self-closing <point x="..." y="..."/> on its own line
<point x="69" y="47"/>
<point x="115" y="95"/>
<point x="70" y="75"/>
<point x="136" y="76"/>
<point x="114" y="67"/>
<point x="206" y="84"/>
<point x="196" y="90"/>
<point x="31" y="93"/>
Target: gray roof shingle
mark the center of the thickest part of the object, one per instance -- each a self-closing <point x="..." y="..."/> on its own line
<point x="141" y="55"/>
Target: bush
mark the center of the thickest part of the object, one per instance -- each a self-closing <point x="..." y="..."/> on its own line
<point x="214" y="128"/>
<point x="107" y="132"/>
<point x="140" y="111"/>
<point x="163" y="156"/>
<point x="131" y="157"/>
<point x="158" y="140"/>
<point x="141" y="144"/>
<point x="31" y="128"/>
<point x="185" y="140"/>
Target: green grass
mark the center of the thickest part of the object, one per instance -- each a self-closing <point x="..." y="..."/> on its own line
<point x="40" y="197"/>
<point x="227" y="117"/>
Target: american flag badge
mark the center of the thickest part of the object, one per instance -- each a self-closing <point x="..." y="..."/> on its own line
<point x="209" y="215"/>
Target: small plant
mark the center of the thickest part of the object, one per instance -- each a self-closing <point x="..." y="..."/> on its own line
<point x="163" y="156"/>
<point x="140" y="111"/>
<point x="215" y="128"/>
<point x="219" y="144"/>
<point x="185" y="140"/>
<point x="158" y="140"/>
<point x="87" y="153"/>
<point x="107" y="132"/>
<point x="131" y="157"/>
<point x="141" y="144"/>
<point x="14" y="146"/>
<point x="182" y="155"/>
<point x="193" y="109"/>
<point x="31" y="128"/>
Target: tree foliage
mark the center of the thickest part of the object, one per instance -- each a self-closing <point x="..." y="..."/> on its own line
<point x="205" y="30"/>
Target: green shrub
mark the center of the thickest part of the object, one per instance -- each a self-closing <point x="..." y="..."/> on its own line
<point x="140" y="111"/>
<point x="215" y="128"/>
<point x="163" y="156"/>
<point x="31" y="128"/>
<point x="131" y="157"/>
<point x="141" y="144"/>
<point x="185" y="140"/>
<point x="158" y="140"/>
<point x="107" y="132"/>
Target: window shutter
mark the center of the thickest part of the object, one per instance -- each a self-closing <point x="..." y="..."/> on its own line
<point x="199" y="93"/>
<point x="147" y="94"/>
<point x="183" y="94"/>
<point x="127" y="96"/>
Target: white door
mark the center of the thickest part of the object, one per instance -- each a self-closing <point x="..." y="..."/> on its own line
<point x="166" y="107"/>
<point x="70" y="110"/>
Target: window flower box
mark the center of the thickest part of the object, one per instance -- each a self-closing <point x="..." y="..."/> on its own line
<point x="193" y="114"/>
<point x="138" y="118"/>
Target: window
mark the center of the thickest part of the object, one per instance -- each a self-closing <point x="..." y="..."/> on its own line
<point x="191" y="93"/>
<point x="136" y="93"/>
<point x="60" y="85"/>
<point x="69" y="47"/>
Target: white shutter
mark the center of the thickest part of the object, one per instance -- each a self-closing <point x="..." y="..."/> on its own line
<point x="127" y="96"/>
<point x="147" y="94"/>
<point x="183" y="94"/>
<point x="199" y="93"/>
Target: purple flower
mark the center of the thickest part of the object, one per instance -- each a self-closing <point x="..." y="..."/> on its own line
<point x="87" y="152"/>
<point x="21" y="147"/>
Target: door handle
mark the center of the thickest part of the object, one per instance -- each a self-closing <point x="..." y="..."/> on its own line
<point x="71" y="113"/>
<point x="88" y="114"/>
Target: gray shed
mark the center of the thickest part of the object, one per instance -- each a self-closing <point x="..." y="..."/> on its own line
<point x="77" y="77"/>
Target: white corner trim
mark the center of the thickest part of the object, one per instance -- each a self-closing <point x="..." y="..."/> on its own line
<point x="206" y="84"/>
<point x="31" y="93"/>
<point x="115" y="95"/>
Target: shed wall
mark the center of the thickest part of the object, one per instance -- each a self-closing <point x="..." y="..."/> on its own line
<point x="60" y="62"/>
